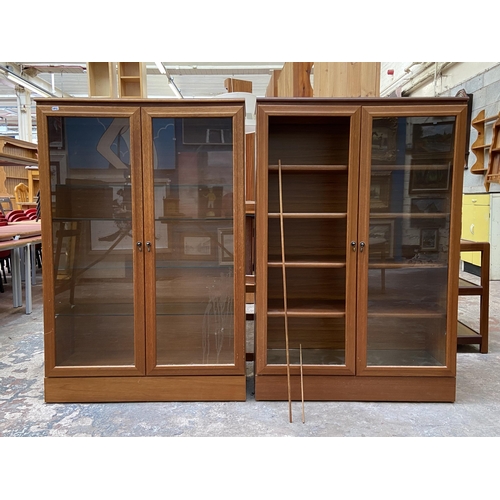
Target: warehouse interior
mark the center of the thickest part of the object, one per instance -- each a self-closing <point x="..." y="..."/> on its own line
<point x="152" y="463"/>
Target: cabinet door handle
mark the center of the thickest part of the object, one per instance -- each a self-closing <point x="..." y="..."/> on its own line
<point x="353" y="246"/>
<point x="361" y="246"/>
<point x="139" y="245"/>
<point x="148" y="246"/>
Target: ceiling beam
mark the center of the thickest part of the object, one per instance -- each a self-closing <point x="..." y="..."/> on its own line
<point x="14" y="74"/>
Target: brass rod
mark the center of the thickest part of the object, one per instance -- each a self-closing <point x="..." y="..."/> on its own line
<point x="302" y="385"/>
<point x="287" y="350"/>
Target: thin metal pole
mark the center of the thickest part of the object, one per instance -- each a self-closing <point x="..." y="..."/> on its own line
<point x="302" y="386"/>
<point x="285" y="294"/>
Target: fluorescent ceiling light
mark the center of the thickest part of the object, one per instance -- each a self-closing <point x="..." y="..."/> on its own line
<point x="174" y="88"/>
<point x="161" y="68"/>
<point x="171" y="82"/>
<point x="27" y="85"/>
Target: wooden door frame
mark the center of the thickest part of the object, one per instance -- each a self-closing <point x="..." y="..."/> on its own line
<point x="233" y="109"/>
<point x="276" y="107"/>
<point x="448" y="108"/>
<point x="54" y="107"/>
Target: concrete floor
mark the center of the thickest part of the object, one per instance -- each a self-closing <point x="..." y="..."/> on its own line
<point x="23" y="412"/>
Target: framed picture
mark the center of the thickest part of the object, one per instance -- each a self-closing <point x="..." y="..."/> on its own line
<point x="429" y="212"/>
<point x="428" y="176"/>
<point x="110" y="234"/>
<point x="380" y="191"/>
<point x="197" y="247"/>
<point x="209" y="130"/>
<point x="382" y="237"/>
<point x="384" y="133"/>
<point x="434" y="137"/>
<point x="226" y="247"/>
<point x="429" y="239"/>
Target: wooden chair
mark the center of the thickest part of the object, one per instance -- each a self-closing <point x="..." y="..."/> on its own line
<point x="21" y="194"/>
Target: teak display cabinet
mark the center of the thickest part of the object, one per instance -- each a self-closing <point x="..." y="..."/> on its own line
<point x="143" y="234"/>
<point x="369" y="221"/>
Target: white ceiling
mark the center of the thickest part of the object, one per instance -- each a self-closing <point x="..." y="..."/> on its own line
<point x="193" y="79"/>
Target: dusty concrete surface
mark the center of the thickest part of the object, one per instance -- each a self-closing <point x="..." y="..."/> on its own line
<point x="23" y="412"/>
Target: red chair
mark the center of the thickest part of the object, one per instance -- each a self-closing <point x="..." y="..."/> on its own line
<point x="18" y="217"/>
<point x="12" y="214"/>
<point x="30" y="211"/>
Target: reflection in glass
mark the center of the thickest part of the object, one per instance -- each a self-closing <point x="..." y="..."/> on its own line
<point x="193" y="200"/>
<point x="92" y="231"/>
<point x="408" y="240"/>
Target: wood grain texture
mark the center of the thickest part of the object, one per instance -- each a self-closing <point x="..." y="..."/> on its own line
<point x="137" y="389"/>
<point x="295" y="80"/>
<point x="326" y="209"/>
<point x="346" y="79"/>
<point x="346" y="388"/>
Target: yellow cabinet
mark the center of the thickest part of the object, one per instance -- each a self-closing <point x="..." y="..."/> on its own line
<point x="475" y="223"/>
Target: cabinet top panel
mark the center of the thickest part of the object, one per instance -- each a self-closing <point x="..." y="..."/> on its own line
<point x="93" y="101"/>
<point x="362" y="101"/>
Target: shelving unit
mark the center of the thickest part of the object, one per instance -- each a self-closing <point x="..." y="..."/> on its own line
<point x="144" y="282"/>
<point x="466" y="334"/>
<point x="493" y="172"/>
<point x="132" y="80"/>
<point x="102" y="79"/>
<point x="370" y="202"/>
<point x="492" y="169"/>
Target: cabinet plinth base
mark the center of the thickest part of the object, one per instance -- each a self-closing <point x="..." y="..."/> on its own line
<point x="144" y="389"/>
<point x="345" y="388"/>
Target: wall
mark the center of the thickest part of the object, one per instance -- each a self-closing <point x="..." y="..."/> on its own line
<point x="482" y="80"/>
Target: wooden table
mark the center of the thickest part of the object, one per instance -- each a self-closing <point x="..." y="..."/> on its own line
<point x="466" y="334"/>
<point x="20" y="237"/>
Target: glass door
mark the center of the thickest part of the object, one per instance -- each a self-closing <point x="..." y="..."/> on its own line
<point x="193" y="213"/>
<point x="97" y="324"/>
<point x="409" y="174"/>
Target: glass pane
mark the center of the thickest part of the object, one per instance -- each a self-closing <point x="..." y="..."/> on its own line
<point x="193" y="197"/>
<point x="92" y="231"/>
<point x="412" y="161"/>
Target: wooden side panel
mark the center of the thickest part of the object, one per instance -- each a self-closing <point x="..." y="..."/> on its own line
<point x="235" y="85"/>
<point x="102" y="79"/>
<point x="272" y="87"/>
<point x="137" y="389"/>
<point x="346" y="79"/>
<point x="295" y="80"/>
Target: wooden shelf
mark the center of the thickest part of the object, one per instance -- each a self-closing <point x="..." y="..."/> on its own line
<point x="315" y="215"/>
<point x="15" y="152"/>
<point x="307" y="309"/>
<point x="316" y="168"/>
<point x="102" y="79"/>
<point x="479" y="145"/>
<point x="467" y="335"/>
<point x="407" y="265"/>
<point x="409" y="215"/>
<point x="132" y="80"/>
<point x="309" y="264"/>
